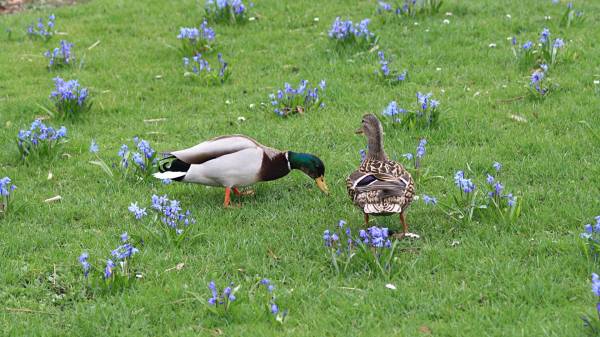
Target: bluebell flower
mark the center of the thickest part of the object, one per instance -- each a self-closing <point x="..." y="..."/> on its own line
<point x="466" y="185"/>
<point x="363" y="154"/>
<point x="514" y="40"/>
<point x="544" y="35"/>
<point x="94" y="147"/>
<point x="6" y="187"/>
<point x="274" y="308"/>
<point x="108" y="271"/>
<point x="497" y="166"/>
<point x="86" y="265"/>
<point x="558" y="43"/>
<point x="124" y="237"/>
<point x="429" y="200"/>
<point x="392" y="109"/>
<point x="124" y="251"/>
<point x="137" y="211"/>
<point x="421" y="148"/>
<point x="384" y="6"/>
<point x="595" y="284"/>
<point x="511" y="200"/>
<point x="527" y="45"/>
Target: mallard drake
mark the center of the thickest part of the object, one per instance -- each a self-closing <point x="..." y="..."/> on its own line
<point x="235" y="161"/>
<point x="380" y="186"/>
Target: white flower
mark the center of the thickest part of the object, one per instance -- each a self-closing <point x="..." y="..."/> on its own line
<point x="446" y="21"/>
<point x="390" y="286"/>
<point x="508" y="16"/>
<point x="492" y="45"/>
<point x="448" y="13"/>
<point x="596" y="82"/>
<point x="316" y="19"/>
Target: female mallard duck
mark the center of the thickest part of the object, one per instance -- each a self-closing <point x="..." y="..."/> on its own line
<point x="380" y="186"/>
<point x="235" y="161"/>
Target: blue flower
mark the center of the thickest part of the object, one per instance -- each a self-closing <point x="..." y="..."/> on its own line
<point x="125" y="251"/>
<point x="527" y="45"/>
<point x="6" y="187"/>
<point x="421" y="148"/>
<point x="137" y="211"/>
<point x="108" y="271"/>
<point x="497" y="166"/>
<point x="511" y="200"/>
<point x="490" y="179"/>
<point x="429" y="200"/>
<point x="83" y="260"/>
<point x="94" y="147"/>
<point x="595" y="284"/>
<point x="124" y="237"/>
<point x="558" y="43"/>
<point x="408" y="156"/>
<point x="466" y="185"/>
<point x="274" y="308"/>
<point x="544" y="35"/>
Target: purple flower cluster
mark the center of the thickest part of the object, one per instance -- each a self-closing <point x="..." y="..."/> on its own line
<point x="346" y="31"/>
<point x="6" y="187"/>
<point x="122" y="254"/>
<point x="226" y="10"/>
<point x="42" y="30"/>
<point x="171" y="213"/>
<point x="194" y="35"/>
<point x="537" y="80"/>
<point x="83" y="259"/>
<point x="201" y="68"/>
<point x="425" y="102"/>
<point x="279" y="315"/>
<point x="393" y="110"/>
<point x="410" y="7"/>
<point x="143" y="157"/>
<point x="69" y="97"/>
<point x="465" y="185"/>
<point x="332" y="240"/>
<point x="375" y="237"/>
<point x="497" y="188"/>
<point x="419" y="154"/>
<point x="391" y="76"/>
<point x="126" y="250"/>
<point x="592" y="231"/>
<point x="426" y="114"/>
<point x="61" y="56"/>
<point x="290" y="100"/>
<point x="39" y="138"/>
<point x="221" y="299"/>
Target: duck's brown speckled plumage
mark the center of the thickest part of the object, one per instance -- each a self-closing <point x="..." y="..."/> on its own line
<point x="380" y="186"/>
<point x="391" y="192"/>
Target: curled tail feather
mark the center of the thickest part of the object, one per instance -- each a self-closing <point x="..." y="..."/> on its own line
<point x="170" y="167"/>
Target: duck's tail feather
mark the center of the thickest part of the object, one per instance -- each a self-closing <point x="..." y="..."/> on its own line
<point x="171" y="168"/>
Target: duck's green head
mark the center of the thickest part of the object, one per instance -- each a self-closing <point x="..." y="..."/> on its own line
<point x="311" y="165"/>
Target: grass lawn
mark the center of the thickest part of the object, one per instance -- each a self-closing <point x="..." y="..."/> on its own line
<point x="479" y="278"/>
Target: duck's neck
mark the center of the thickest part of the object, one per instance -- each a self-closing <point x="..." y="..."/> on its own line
<point x="375" y="146"/>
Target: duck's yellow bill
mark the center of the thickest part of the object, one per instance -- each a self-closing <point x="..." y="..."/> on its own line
<point x="359" y="131"/>
<point x="321" y="184"/>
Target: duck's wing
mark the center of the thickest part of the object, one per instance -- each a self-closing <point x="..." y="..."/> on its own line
<point x="215" y="148"/>
<point x="388" y="185"/>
